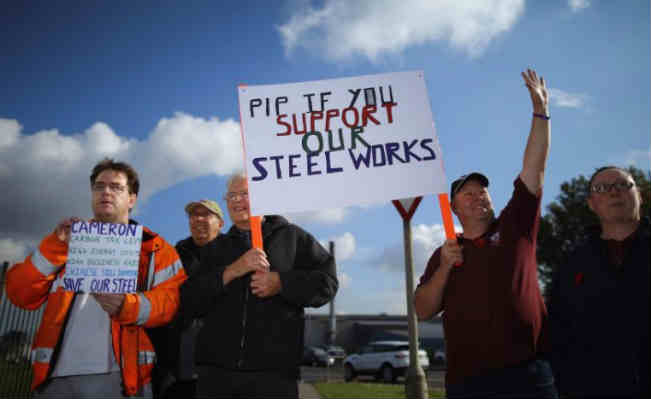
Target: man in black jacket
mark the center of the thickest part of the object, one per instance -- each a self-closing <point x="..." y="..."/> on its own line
<point x="175" y="373"/>
<point x="599" y="304"/>
<point x="252" y="303"/>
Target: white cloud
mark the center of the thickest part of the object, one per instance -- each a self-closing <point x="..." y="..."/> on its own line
<point x="425" y="241"/>
<point x="578" y="5"/>
<point x="324" y="216"/>
<point x="10" y="130"/>
<point x="566" y="99"/>
<point x="635" y="157"/>
<point x="44" y="175"/>
<point x="12" y="251"/>
<point x="185" y="147"/>
<point x="344" y="246"/>
<point x="343" y="29"/>
<point x="344" y="280"/>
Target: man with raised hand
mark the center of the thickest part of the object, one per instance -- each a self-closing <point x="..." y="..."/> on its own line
<point x="486" y="283"/>
<point x="252" y="303"/>
<point x="95" y="345"/>
<point x="599" y="301"/>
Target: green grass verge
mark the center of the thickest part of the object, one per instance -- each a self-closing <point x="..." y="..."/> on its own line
<point x="366" y="390"/>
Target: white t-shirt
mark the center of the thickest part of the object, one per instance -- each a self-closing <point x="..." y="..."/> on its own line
<point x="87" y="346"/>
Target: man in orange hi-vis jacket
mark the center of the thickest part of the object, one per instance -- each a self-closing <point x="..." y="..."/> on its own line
<point x="91" y="345"/>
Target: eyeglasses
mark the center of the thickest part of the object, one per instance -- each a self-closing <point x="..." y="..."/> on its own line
<point x="231" y="196"/>
<point x="115" y="188"/>
<point x="619" y="186"/>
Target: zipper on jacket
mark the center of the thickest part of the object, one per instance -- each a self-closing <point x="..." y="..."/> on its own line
<point x="244" y="315"/>
<point x="57" y="347"/>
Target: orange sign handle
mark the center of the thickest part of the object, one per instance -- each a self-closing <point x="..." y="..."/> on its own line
<point x="256" y="231"/>
<point x="446" y="212"/>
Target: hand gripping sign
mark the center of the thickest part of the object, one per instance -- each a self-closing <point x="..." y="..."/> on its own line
<point x="103" y="257"/>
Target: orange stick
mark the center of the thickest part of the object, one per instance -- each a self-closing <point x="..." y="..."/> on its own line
<point x="448" y="224"/>
<point x="446" y="213"/>
<point x="256" y="231"/>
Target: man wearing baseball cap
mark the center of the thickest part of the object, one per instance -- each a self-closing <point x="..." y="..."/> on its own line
<point x="486" y="282"/>
<point x="206" y="220"/>
<point x="176" y="373"/>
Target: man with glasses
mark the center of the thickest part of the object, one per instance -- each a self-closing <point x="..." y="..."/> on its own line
<point x="252" y="303"/>
<point x="599" y="302"/>
<point x="95" y="345"/>
<point x="175" y="374"/>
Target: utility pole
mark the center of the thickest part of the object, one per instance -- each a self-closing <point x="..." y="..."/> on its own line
<point x="332" y="333"/>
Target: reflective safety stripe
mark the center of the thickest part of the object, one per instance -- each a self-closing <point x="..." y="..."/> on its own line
<point x="144" y="309"/>
<point x="57" y="283"/>
<point x="152" y="269"/>
<point x="167" y="273"/>
<point x="146" y="357"/>
<point x="42" y="355"/>
<point x="42" y="264"/>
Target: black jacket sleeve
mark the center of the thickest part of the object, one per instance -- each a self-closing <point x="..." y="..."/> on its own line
<point x="200" y="292"/>
<point x="313" y="280"/>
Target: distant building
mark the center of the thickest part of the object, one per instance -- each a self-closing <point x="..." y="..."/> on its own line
<point x="355" y="331"/>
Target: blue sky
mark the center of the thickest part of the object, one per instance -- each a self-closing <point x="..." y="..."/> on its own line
<point x="155" y="84"/>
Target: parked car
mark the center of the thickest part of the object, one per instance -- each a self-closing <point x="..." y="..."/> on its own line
<point x="387" y="360"/>
<point x="315" y="356"/>
<point x="337" y="352"/>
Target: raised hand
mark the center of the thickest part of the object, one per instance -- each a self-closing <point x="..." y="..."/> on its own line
<point x="537" y="90"/>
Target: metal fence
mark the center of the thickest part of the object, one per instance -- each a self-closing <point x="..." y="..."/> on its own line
<point x="17" y="329"/>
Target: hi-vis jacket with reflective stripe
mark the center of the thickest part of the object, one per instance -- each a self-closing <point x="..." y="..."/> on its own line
<point x="40" y="279"/>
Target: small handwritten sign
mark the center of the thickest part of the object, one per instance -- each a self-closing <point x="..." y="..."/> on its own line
<point x="103" y="257"/>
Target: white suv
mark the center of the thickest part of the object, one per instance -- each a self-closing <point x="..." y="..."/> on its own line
<point x="385" y="359"/>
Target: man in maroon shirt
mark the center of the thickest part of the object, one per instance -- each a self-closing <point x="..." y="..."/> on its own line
<point x="486" y="281"/>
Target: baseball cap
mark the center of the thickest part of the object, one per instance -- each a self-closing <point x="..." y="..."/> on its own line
<point x="212" y="206"/>
<point x="457" y="184"/>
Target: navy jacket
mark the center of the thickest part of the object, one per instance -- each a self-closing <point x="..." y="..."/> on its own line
<point x="599" y="320"/>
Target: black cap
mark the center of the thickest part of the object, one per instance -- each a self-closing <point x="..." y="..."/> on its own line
<point x="457" y="184"/>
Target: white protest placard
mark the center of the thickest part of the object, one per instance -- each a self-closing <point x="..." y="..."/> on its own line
<point x="339" y="142"/>
<point x="103" y="257"/>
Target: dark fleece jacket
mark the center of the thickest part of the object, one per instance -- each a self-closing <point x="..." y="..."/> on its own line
<point x="242" y="331"/>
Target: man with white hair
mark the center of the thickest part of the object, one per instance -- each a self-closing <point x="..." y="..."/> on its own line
<point x="252" y="303"/>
